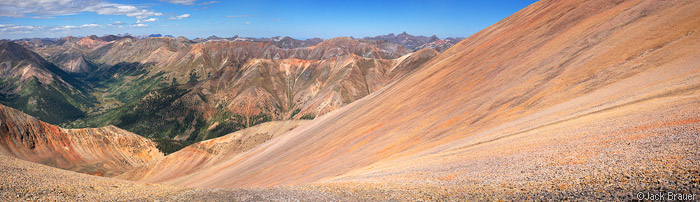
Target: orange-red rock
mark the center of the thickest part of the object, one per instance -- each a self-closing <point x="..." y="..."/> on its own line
<point x="105" y="151"/>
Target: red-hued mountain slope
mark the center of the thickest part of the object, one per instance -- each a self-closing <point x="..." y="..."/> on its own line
<point x="562" y="95"/>
<point x="105" y="151"/>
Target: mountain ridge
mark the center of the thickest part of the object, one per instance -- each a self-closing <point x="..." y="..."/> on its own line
<point x="105" y="151"/>
<point x="32" y="84"/>
<point x="156" y="71"/>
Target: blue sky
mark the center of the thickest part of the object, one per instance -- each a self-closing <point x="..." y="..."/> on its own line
<point x="254" y="18"/>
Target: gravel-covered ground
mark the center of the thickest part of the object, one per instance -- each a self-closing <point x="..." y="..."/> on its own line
<point x="26" y="181"/>
<point x="22" y="181"/>
<point x="621" y="158"/>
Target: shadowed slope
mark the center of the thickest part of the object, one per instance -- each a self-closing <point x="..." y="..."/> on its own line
<point x="552" y="74"/>
<point x="33" y="85"/>
<point x="101" y="151"/>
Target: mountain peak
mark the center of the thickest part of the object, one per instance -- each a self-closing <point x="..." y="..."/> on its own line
<point x="413" y="42"/>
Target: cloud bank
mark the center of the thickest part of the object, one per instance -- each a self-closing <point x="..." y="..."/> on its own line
<point x="47" y="8"/>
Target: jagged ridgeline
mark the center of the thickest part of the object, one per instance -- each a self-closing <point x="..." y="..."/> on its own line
<point x="178" y="89"/>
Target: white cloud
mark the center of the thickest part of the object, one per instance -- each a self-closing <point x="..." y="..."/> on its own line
<point x="19" y="29"/>
<point x="139" y="25"/>
<point x="183" y="2"/>
<point x="63" y="28"/>
<point x="27" y="29"/>
<point x="117" y="23"/>
<point x="48" y="8"/>
<point x="91" y="25"/>
<point x="247" y="23"/>
<point x="147" y="20"/>
<point x="71" y="27"/>
<point x="208" y="2"/>
<point x="179" y="17"/>
<point x="120" y="9"/>
<point x="237" y="16"/>
<point x="43" y="17"/>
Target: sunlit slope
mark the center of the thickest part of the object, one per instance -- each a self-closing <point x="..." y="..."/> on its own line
<point x="105" y="151"/>
<point x="559" y="81"/>
<point x="209" y="153"/>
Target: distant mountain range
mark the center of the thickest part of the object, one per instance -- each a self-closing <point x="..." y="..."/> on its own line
<point x="198" y="89"/>
<point x="417" y="42"/>
<point x="404" y="39"/>
<point x="190" y="90"/>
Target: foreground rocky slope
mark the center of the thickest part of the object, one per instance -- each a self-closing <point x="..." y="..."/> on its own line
<point x="560" y="100"/>
<point x="23" y="180"/>
<point x="105" y="151"/>
<point x="209" y="153"/>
